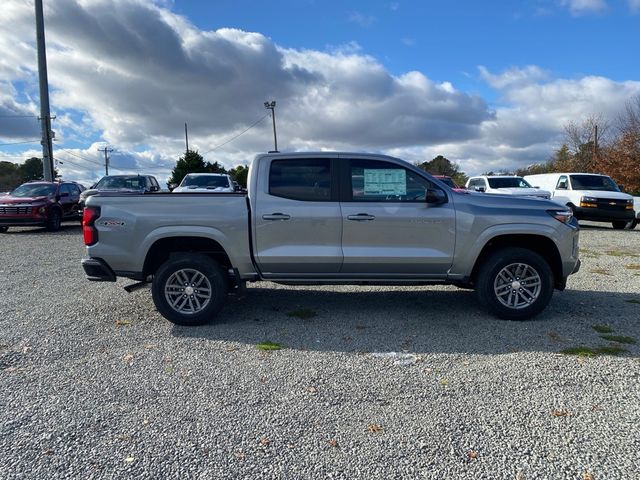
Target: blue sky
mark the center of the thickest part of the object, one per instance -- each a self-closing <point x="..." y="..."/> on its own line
<point x="487" y="84"/>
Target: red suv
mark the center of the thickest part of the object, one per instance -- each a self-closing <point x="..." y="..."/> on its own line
<point x="40" y="204"/>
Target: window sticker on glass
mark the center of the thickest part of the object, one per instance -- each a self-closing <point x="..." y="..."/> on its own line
<point x="380" y="181"/>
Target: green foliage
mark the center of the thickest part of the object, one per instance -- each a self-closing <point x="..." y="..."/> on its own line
<point x="13" y="174"/>
<point x="302" y="313"/>
<point x="192" y="162"/>
<point x="619" y="338"/>
<point x="443" y="166"/>
<point x="239" y="174"/>
<point x="268" y="346"/>
<point x="602" y="328"/>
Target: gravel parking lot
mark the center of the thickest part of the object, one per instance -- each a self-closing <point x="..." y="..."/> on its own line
<point x="373" y="382"/>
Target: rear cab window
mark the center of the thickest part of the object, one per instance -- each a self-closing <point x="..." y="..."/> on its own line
<point x="307" y="179"/>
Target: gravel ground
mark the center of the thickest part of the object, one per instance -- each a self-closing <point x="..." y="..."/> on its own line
<point x="381" y="383"/>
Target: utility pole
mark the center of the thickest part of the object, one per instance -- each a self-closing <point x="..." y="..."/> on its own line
<point x="45" y="115"/>
<point x="186" y="136"/>
<point x="106" y="151"/>
<point x="595" y="147"/>
<point x="272" y="106"/>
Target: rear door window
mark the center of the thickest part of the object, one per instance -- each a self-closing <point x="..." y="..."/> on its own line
<point x="301" y="179"/>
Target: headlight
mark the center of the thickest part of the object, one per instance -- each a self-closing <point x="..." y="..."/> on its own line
<point x="589" y="199"/>
<point x="563" y="216"/>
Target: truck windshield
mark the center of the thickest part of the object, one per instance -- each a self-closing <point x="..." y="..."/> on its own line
<point x="34" y="190"/>
<point x="593" y="182"/>
<point x="205" y="181"/>
<point x="132" y="183"/>
<point x="508" y="182"/>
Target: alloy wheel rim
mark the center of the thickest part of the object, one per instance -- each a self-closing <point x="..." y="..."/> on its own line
<point x="188" y="291"/>
<point x="517" y="286"/>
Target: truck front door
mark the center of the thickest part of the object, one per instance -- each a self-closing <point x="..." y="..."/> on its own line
<point x="298" y="222"/>
<point x="388" y="227"/>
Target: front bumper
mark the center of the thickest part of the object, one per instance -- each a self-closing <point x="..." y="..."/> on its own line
<point x="602" y="215"/>
<point x="97" y="270"/>
<point x="22" y="221"/>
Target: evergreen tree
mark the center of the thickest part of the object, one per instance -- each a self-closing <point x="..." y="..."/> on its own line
<point x="190" y="162"/>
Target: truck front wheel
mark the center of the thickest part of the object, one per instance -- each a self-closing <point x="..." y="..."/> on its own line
<point x="514" y="283"/>
<point x="189" y="289"/>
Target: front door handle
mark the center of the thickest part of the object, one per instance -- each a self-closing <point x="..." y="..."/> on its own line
<point x="276" y="216"/>
<point x="361" y="217"/>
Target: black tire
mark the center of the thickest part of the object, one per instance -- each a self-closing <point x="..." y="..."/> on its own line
<point x="489" y="283"/>
<point x="54" y="220"/>
<point x="202" y="271"/>
<point x="4" y="229"/>
<point x="619" y="224"/>
<point x="631" y="224"/>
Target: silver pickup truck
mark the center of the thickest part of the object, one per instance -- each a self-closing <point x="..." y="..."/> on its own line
<point x="331" y="218"/>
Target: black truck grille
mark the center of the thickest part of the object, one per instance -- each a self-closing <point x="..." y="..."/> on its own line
<point x="611" y="204"/>
<point x="15" y="210"/>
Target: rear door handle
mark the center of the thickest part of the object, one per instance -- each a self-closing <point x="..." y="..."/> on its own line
<point x="276" y="216"/>
<point x="361" y="217"/>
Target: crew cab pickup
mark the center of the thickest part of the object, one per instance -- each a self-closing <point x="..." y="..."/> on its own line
<point x="331" y="218"/>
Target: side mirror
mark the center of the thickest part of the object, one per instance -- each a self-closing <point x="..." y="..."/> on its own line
<point x="562" y="186"/>
<point x="479" y="189"/>
<point x="172" y="185"/>
<point x="621" y="188"/>
<point x="64" y="194"/>
<point x="154" y="188"/>
<point x="536" y="186"/>
<point x="435" y="196"/>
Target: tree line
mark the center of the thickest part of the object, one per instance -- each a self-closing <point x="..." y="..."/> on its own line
<point x="12" y="174"/>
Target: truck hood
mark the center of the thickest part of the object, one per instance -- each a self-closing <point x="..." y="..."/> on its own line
<point x="9" y="200"/>
<point x="202" y="189"/>
<point x="510" y="202"/>
<point x="527" y="192"/>
<point x="93" y="191"/>
<point x="604" y="194"/>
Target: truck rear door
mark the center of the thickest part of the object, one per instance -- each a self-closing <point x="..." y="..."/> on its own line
<point x="298" y="222"/>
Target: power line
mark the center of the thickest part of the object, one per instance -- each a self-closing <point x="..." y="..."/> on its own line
<point x="19" y="143"/>
<point x="241" y="133"/>
<point x="18" y="116"/>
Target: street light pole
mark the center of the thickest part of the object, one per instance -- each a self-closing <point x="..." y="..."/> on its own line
<point x="45" y="116"/>
<point x="272" y="106"/>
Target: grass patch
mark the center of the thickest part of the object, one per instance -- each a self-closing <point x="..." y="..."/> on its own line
<point x="633" y="300"/>
<point x="633" y="266"/>
<point x="268" y="346"/>
<point x="600" y="271"/>
<point x="594" y="352"/>
<point x="602" y="328"/>
<point x="302" y="313"/>
<point x="580" y="351"/>
<point x="589" y="253"/>
<point x="619" y="339"/>
<point x="610" y="350"/>
<point x="619" y="253"/>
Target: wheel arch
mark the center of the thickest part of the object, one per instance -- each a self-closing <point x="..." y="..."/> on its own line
<point x="543" y="246"/>
<point x="163" y="248"/>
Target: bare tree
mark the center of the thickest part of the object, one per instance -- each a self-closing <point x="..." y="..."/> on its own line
<point x="585" y="139"/>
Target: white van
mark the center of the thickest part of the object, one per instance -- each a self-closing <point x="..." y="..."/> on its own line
<point x="591" y="196"/>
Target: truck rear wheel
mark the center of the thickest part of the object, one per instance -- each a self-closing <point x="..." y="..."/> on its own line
<point x="3" y="229"/>
<point x="514" y="283"/>
<point x="189" y="289"/>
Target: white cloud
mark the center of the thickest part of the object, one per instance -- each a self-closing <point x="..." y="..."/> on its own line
<point x="581" y="7"/>
<point x="634" y="6"/>
<point x="362" y="19"/>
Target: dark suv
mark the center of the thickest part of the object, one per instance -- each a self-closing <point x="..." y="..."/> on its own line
<point x="121" y="183"/>
<point x="40" y="204"/>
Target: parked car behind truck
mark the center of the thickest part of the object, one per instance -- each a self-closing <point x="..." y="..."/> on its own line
<point x="39" y="203"/>
<point x="590" y="196"/>
<point x="331" y="218"/>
